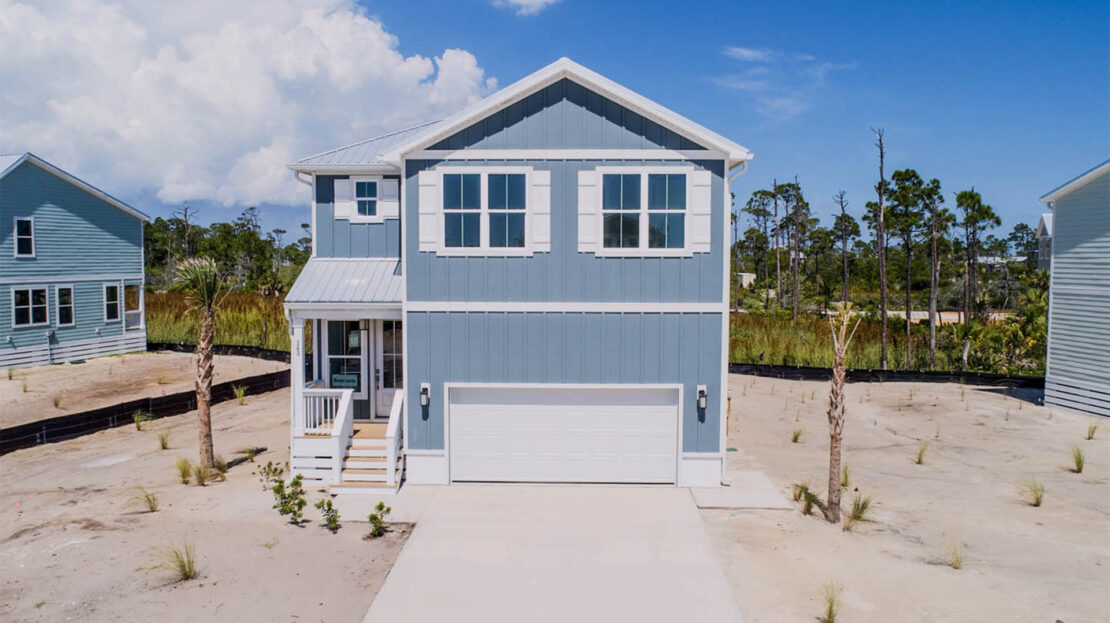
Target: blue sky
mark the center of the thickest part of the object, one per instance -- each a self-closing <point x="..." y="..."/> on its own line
<point x="1010" y="98"/>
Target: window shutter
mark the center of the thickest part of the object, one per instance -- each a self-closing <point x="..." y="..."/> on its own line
<point x="343" y="204"/>
<point x="539" y="211"/>
<point x="429" y="209"/>
<point x="700" y="208"/>
<point x="389" y="198"/>
<point x="589" y="199"/>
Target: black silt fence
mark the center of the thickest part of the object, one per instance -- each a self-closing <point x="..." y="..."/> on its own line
<point x="809" y="373"/>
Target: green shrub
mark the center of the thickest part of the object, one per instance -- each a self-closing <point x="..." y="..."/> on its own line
<point x="860" y="506"/>
<point x="139" y="417"/>
<point x="329" y="514"/>
<point x="270" y="474"/>
<point x="377" y="519"/>
<point x="240" y="393"/>
<point x="289" y="499"/>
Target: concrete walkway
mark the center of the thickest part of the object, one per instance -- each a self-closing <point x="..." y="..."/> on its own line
<point x="496" y="553"/>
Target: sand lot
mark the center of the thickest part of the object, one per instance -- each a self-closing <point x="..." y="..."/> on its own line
<point x="72" y="549"/>
<point x="1020" y="563"/>
<point x="106" y="381"/>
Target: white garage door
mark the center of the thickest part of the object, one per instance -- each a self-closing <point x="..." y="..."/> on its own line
<point x="549" y="434"/>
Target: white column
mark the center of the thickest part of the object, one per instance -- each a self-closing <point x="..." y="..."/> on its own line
<point x="296" y="373"/>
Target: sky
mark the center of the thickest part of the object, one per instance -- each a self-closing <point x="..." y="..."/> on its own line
<point x="207" y="101"/>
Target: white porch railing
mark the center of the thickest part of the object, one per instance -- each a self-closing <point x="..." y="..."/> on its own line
<point x="393" y="432"/>
<point x="322" y="408"/>
<point x="326" y="419"/>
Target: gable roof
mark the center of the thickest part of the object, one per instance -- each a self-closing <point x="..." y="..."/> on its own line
<point x="566" y="68"/>
<point x="1044" y="227"/>
<point x="10" y="162"/>
<point x="363" y="154"/>
<point x="1076" y="183"/>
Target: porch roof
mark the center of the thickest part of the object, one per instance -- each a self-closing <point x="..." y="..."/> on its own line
<point x="328" y="282"/>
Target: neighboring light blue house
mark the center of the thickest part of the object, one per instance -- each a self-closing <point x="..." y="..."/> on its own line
<point x="534" y="289"/>
<point x="1077" y="373"/>
<point x="71" y="267"/>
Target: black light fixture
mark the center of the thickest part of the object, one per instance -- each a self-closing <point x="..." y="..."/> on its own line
<point x="702" y="396"/>
<point x="425" y="394"/>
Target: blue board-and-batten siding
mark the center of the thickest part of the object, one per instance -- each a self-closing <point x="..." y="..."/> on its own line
<point x="566" y="115"/>
<point x="564" y="274"/>
<point x="342" y="238"/>
<point x="571" y="347"/>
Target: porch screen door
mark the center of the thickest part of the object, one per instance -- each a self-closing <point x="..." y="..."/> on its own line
<point x="390" y="363"/>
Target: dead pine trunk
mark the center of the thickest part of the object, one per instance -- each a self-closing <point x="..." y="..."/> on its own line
<point x="778" y="244"/>
<point x="880" y="244"/>
<point x="838" y="322"/>
<point x="934" y="287"/>
<point x="204" y="389"/>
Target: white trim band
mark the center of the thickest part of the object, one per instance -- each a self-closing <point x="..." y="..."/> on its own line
<point x="565" y="154"/>
<point x="616" y="307"/>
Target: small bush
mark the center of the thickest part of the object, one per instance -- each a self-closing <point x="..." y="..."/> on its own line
<point x="57" y="400"/>
<point x="845" y="477"/>
<point x="144" y="499"/>
<point x="1091" y="428"/>
<point x="139" y="417"/>
<point x="329" y="514"/>
<point x="956" y="557"/>
<point x="221" y="465"/>
<point x="270" y="474"/>
<point x="200" y="475"/>
<point x="832" y="603"/>
<point x="921" y="450"/>
<point x="240" y="393"/>
<point x="795" y="435"/>
<point x="184" y="469"/>
<point x="809" y="500"/>
<point x="289" y="500"/>
<point x="1078" y="459"/>
<point x="377" y="519"/>
<point x="181" y="561"/>
<point x="860" y="506"/>
<point x="164" y="440"/>
<point x="1033" y="492"/>
<point x="799" y="490"/>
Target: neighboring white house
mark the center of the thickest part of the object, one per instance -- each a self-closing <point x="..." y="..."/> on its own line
<point x="1044" y="242"/>
<point x="1078" y="366"/>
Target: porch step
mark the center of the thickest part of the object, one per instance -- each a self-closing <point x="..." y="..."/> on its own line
<point x="366" y="452"/>
<point x="365" y="485"/>
<point x="366" y="475"/>
<point x="365" y="461"/>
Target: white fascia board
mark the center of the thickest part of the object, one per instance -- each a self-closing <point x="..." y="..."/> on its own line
<point x="345" y="169"/>
<point x="566" y="68"/>
<point x="76" y="181"/>
<point x="1075" y="184"/>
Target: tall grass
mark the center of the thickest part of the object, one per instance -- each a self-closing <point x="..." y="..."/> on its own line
<point x="243" y="319"/>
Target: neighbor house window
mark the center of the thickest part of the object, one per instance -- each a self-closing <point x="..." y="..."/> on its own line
<point x="345" y="354"/>
<point x="366" y="197"/>
<point x="28" y="307"/>
<point x="65" y="306"/>
<point x="666" y="210"/>
<point x="506" y="209"/>
<point x="462" y="206"/>
<point x="24" y="237"/>
<point x="111" y="302"/>
<point x="621" y="210"/>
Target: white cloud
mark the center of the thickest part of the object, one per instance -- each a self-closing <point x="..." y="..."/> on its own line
<point x="210" y="99"/>
<point x="525" y="7"/>
<point x="782" y="85"/>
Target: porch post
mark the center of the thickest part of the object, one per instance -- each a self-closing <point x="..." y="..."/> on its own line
<point x="296" y="372"/>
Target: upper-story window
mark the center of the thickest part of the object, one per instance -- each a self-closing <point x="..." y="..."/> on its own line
<point x="366" y="198"/>
<point x="462" y="210"/>
<point x="29" y="307"/>
<point x="506" y="209"/>
<point x="620" y="204"/>
<point x="24" y="237"/>
<point x="666" y="210"/>
<point x="627" y="211"/>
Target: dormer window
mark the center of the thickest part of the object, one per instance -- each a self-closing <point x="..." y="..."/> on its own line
<point x="366" y="198"/>
<point x="24" y="237"/>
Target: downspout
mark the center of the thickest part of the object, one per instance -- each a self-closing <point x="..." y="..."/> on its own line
<point x="297" y="175"/>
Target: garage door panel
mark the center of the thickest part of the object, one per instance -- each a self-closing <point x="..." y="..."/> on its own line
<point x="564" y="435"/>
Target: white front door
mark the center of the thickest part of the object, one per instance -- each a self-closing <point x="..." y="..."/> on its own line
<point x="389" y="375"/>
<point x="538" y="433"/>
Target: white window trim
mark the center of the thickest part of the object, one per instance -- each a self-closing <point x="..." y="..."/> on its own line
<point x="30" y="308"/>
<point x="58" y="305"/>
<point x="483" y="249"/>
<point x="643" y="250"/>
<point x="324" y="371"/>
<point x="15" y="238"/>
<point x="377" y="217"/>
<point x="104" y="302"/>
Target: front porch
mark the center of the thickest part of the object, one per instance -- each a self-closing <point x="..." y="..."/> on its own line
<point x="347" y="398"/>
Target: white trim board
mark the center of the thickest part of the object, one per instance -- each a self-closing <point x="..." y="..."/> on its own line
<point x="564" y="307"/>
<point x="1076" y="183"/>
<point x="565" y="154"/>
<point x="68" y="278"/>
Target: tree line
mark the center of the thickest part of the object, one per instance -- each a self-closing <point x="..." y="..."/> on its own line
<point x="934" y="256"/>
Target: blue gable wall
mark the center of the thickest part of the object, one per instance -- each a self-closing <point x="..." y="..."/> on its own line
<point x="341" y="238"/>
<point x="566" y="115"/>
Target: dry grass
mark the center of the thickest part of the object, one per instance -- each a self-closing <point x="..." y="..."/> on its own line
<point x="1033" y="491"/>
<point x="140" y="417"/>
<point x="144" y="499"/>
<point x="179" y="560"/>
<point x="200" y="475"/>
<point x="956" y="556"/>
<point x="832" y="603"/>
<point x="56" y="399"/>
<point x="1091" y="429"/>
<point x="184" y="469"/>
<point x="860" y="507"/>
<point x="164" y="440"/>
<point x="1078" y="458"/>
<point x="240" y="394"/>
<point x="244" y="318"/>
<point x="794" y="436"/>
<point x="921" y="450"/>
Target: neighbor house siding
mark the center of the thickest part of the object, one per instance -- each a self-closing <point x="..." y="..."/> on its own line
<point x="342" y="238"/>
<point x="564" y="274"/>
<point x="1078" y="371"/>
<point x="495" y="347"/>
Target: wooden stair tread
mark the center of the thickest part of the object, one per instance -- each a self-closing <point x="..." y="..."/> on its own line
<point x="363" y="484"/>
<point x="361" y="470"/>
<point x="365" y="459"/>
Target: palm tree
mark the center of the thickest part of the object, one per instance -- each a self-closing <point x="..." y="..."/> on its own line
<point x="205" y="291"/>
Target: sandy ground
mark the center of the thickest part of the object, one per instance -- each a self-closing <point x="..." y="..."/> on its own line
<point x="29" y="395"/>
<point x="71" y="548"/>
<point x="1020" y="563"/>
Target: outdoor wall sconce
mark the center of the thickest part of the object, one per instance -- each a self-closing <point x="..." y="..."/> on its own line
<point x="425" y="394"/>
<point x="702" y="396"/>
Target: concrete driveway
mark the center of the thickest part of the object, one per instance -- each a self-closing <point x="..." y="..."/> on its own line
<point x="557" y="553"/>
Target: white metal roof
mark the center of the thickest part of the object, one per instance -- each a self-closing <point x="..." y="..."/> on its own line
<point x="347" y="282"/>
<point x="566" y="68"/>
<point x="9" y="162"/>
<point x="1077" y="182"/>
<point x="1044" y="227"/>
<point x="361" y="154"/>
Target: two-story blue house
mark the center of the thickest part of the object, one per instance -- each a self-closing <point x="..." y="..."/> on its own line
<point x="532" y="290"/>
<point x="71" y="267"/>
